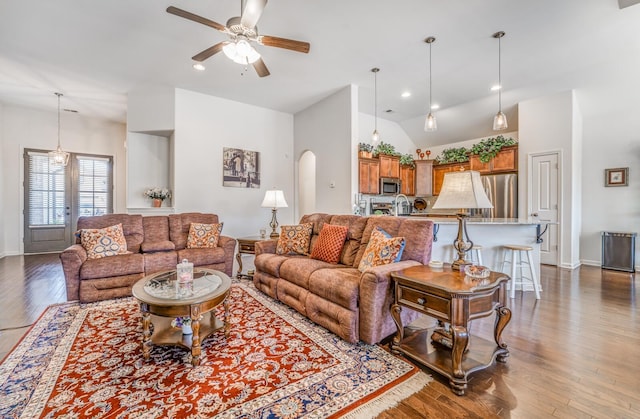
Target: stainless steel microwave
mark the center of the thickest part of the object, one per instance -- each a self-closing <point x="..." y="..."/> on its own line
<point x="390" y="185"/>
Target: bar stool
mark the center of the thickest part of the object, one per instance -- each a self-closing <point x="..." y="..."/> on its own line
<point x="475" y="254"/>
<point x="516" y="261"/>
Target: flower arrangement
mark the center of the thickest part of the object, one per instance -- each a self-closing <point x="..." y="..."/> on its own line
<point x="158" y="193"/>
<point x="181" y="321"/>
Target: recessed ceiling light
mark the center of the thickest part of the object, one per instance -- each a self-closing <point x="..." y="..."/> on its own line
<point x="435" y="106"/>
<point x="199" y="66"/>
<point x="495" y="87"/>
<point x="405" y="94"/>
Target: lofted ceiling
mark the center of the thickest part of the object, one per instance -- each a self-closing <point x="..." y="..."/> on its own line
<point x="96" y="52"/>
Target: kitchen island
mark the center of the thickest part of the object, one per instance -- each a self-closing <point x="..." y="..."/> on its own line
<point x="491" y="234"/>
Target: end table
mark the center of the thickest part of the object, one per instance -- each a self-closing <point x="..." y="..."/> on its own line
<point x="247" y="245"/>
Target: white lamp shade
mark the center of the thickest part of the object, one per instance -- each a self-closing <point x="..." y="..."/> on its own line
<point x="274" y="199"/>
<point x="462" y="190"/>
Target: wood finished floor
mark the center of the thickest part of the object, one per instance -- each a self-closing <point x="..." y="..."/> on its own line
<point x="574" y="353"/>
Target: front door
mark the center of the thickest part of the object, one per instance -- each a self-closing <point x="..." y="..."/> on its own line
<point x="544" y="202"/>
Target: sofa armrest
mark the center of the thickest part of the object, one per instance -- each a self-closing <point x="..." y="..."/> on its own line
<point x="72" y="259"/>
<point x="376" y="297"/>
<point x="229" y="246"/>
<point x="266" y="246"/>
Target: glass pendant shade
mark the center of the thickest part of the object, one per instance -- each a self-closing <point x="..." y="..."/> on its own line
<point x="375" y="137"/>
<point x="59" y="157"/>
<point x="500" y="121"/>
<point x="241" y="52"/>
<point x="430" y="124"/>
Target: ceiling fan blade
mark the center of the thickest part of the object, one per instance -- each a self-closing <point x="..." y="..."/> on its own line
<point x="261" y="68"/>
<point x="251" y="13"/>
<point x="200" y="57"/>
<point x="274" y="41"/>
<point x="196" y="18"/>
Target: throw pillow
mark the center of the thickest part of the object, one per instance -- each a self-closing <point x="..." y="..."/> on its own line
<point x="294" y="239"/>
<point x="381" y="250"/>
<point x="103" y="242"/>
<point x="203" y="236"/>
<point x="330" y="243"/>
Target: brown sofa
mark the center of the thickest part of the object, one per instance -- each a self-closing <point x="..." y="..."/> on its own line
<point x="351" y="304"/>
<point x="156" y="243"/>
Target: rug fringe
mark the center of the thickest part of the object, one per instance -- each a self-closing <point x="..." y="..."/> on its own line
<point x="391" y="398"/>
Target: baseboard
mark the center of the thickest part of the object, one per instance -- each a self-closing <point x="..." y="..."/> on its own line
<point x="2" y="255"/>
<point x="591" y="262"/>
<point x="571" y="266"/>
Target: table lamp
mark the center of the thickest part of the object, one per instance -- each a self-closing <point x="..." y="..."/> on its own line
<point x="462" y="191"/>
<point x="274" y="199"/>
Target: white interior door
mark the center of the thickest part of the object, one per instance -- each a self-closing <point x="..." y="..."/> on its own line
<point x="544" y="202"/>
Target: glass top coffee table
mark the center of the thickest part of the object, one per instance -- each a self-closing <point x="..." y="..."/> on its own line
<point x="158" y="297"/>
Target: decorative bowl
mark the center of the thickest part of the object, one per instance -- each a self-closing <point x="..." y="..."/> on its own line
<point x="477" y="271"/>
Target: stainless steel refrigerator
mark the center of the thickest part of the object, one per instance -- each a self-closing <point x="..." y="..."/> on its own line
<point x="502" y="191"/>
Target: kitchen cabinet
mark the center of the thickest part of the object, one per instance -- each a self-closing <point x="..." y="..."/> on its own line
<point x="389" y="166"/>
<point x="408" y="179"/>
<point x="424" y="186"/>
<point x="440" y="169"/>
<point x="504" y="162"/>
<point x="369" y="176"/>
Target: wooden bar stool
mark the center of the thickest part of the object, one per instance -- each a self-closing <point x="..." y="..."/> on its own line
<point x="516" y="261"/>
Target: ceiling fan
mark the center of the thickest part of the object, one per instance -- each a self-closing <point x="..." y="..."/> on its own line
<point x="242" y="32"/>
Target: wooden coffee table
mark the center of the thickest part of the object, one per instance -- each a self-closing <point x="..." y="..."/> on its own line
<point x="454" y="300"/>
<point x="160" y="305"/>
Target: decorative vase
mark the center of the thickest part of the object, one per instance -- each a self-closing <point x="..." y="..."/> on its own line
<point x="186" y="329"/>
<point x="157" y="203"/>
<point x="365" y="154"/>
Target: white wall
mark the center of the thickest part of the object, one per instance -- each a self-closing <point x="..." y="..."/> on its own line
<point x="390" y="132"/>
<point x="154" y="109"/>
<point x="546" y="124"/>
<point x="3" y="152"/>
<point x="326" y="129"/>
<point x="203" y="126"/>
<point x="28" y="128"/>
<point x="148" y="166"/>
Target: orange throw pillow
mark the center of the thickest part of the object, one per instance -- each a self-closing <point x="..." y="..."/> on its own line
<point x="294" y="239"/>
<point x="330" y="243"/>
<point x="203" y="236"/>
<point x="103" y="242"/>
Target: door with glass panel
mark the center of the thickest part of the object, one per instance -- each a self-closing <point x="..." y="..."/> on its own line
<point x="56" y="195"/>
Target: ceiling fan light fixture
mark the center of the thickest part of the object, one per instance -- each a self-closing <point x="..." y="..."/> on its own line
<point x="59" y="157"/>
<point x="430" y="124"/>
<point x="241" y="52"/>
<point x="500" y="120"/>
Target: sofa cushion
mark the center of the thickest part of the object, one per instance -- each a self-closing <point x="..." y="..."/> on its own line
<point x="103" y="242"/>
<point x="269" y="263"/>
<point x="340" y="286"/>
<point x="382" y="249"/>
<point x="179" y="225"/>
<point x="119" y="265"/>
<point x="200" y="257"/>
<point x="203" y="236"/>
<point x="294" y="239"/>
<point x="299" y="269"/>
<point x="330" y="242"/>
<point x="161" y="246"/>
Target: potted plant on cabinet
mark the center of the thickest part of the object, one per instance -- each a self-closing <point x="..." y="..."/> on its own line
<point x="490" y="147"/>
<point x="365" y="151"/>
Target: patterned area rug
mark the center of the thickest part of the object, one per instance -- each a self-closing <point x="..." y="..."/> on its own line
<point x="86" y="361"/>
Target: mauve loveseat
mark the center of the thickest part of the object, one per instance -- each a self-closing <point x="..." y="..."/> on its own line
<point x="154" y="243"/>
<point x="352" y="304"/>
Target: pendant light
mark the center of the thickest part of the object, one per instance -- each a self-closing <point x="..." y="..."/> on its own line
<point x="59" y="157"/>
<point x="500" y="120"/>
<point x="430" y="124"/>
<point x="375" y="137"/>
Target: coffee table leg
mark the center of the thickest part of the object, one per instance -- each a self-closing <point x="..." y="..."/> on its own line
<point x="146" y="331"/>
<point x="227" y="323"/>
<point x="195" y="343"/>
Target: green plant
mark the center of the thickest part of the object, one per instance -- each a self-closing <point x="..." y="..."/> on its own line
<point x="407" y="160"/>
<point x="385" y="148"/>
<point x="453" y="155"/>
<point x="365" y="147"/>
<point x="490" y="147"/>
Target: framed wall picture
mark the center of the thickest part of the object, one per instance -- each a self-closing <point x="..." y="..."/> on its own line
<point x="616" y="177"/>
<point x="240" y="168"/>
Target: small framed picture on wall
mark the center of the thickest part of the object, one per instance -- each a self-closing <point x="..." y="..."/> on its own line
<point x="616" y="177"/>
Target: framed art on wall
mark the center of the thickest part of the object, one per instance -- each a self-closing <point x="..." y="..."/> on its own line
<point x="240" y="168"/>
<point x="616" y="177"/>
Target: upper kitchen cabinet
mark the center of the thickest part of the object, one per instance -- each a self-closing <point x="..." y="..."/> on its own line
<point x="389" y="166"/>
<point x="439" y="171"/>
<point x="408" y="178"/>
<point x="368" y="176"/>
<point x="504" y="162"/>
<point x="424" y="186"/>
